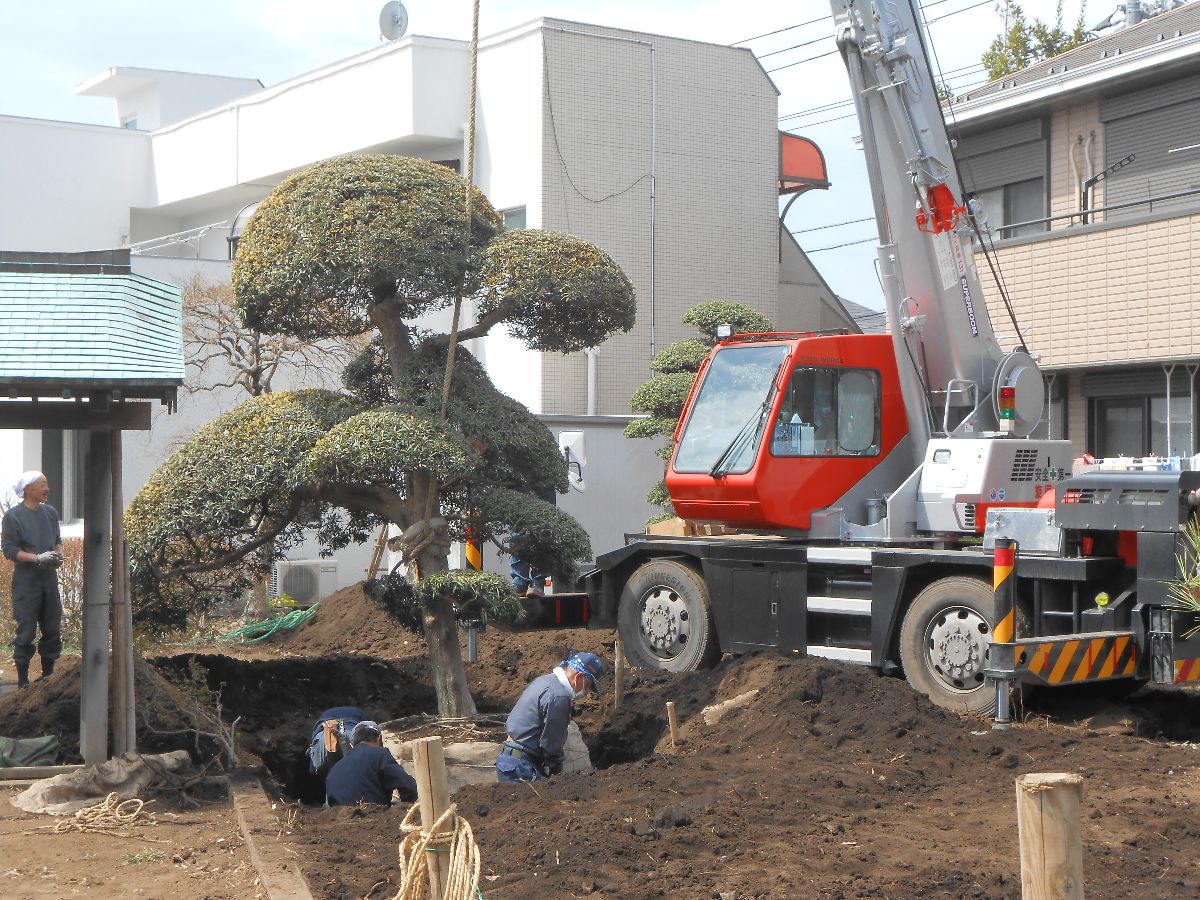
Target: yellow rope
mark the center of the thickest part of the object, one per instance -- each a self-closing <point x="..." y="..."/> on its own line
<point x="112" y="812"/>
<point x="458" y="841"/>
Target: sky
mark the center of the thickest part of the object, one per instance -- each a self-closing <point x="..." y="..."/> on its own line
<point x="46" y="49"/>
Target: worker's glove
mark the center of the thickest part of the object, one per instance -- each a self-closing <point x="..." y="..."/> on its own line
<point x="51" y="559"/>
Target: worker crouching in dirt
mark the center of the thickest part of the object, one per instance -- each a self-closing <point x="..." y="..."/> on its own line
<point x="331" y="740"/>
<point x="368" y="773"/>
<point x="537" y="726"/>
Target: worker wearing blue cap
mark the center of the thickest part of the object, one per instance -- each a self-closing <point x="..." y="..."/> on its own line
<point x="537" y="726"/>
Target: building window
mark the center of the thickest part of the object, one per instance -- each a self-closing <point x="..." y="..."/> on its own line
<point x="1021" y="201"/>
<point x="63" y="458"/>
<point x="829" y="412"/>
<point x="514" y="219"/>
<point x="238" y="226"/>
<point x="1139" y="426"/>
<point x="131" y="123"/>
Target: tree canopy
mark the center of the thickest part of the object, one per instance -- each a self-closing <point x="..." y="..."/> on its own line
<point x="375" y="243"/>
<point x="1023" y="42"/>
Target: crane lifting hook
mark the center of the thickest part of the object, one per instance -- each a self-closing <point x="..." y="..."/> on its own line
<point x="943" y="212"/>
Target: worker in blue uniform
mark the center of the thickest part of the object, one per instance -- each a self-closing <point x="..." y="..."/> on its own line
<point x="537" y="726"/>
<point x="368" y="773"/>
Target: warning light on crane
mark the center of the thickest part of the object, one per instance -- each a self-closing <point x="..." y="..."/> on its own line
<point x="1007" y="407"/>
<point x="943" y="211"/>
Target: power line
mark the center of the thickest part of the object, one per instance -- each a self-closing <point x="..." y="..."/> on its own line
<point x="807" y="59"/>
<point x="822" y="122"/>
<point x="957" y="11"/>
<point x="839" y="246"/>
<point x="819" y="40"/>
<point x="834" y="225"/>
<point x="779" y="31"/>
<point x="827" y="107"/>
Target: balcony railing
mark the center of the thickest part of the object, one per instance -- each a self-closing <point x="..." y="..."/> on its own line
<point x="1085" y="214"/>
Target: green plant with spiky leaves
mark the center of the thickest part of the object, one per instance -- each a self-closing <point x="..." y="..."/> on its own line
<point x="367" y="245"/>
<point x="1023" y="42"/>
<point x="1185" y="589"/>
<point x="661" y="398"/>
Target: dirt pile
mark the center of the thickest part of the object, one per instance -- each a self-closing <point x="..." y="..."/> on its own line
<point x="832" y="782"/>
<point x="351" y="623"/>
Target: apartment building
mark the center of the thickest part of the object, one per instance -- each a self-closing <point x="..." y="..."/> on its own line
<point x="1088" y="166"/>
<point x="663" y="151"/>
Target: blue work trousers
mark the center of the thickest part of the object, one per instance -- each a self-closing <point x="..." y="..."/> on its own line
<point x="514" y="770"/>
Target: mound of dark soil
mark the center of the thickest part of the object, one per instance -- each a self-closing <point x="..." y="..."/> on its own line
<point x="832" y="782"/>
<point x="350" y="622"/>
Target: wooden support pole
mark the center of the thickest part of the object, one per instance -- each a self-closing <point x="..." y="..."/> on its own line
<point x="1048" y="819"/>
<point x="123" y="723"/>
<point x="672" y="722"/>
<point x="433" y="792"/>
<point x="618" y="674"/>
<point x="97" y="570"/>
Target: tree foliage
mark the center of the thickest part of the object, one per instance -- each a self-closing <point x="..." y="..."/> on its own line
<point x="364" y="244"/>
<point x="663" y="396"/>
<point x="1024" y="42"/>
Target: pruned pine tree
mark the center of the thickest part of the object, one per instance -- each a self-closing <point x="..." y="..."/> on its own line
<point x="662" y="398"/>
<point x="1023" y="42"/>
<point x="368" y="245"/>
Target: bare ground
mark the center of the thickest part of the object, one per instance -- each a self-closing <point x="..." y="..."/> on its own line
<point x="833" y="782"/>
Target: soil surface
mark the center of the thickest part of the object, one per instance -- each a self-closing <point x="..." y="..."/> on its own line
<point x="832" y="781"/>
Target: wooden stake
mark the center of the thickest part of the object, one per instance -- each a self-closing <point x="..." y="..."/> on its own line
<point x="673" y="722"/>
<point x="1048" y="819"/>
<point x="433" y="792"/>
<point x="618" y="674"/>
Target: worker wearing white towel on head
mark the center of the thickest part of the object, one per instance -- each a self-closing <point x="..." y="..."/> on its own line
<point x="30" y="537"/>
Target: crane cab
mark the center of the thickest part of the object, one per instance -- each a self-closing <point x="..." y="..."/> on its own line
<point x="778" y="426"/>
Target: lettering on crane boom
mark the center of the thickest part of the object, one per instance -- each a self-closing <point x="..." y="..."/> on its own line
<point x="956" y="246"/>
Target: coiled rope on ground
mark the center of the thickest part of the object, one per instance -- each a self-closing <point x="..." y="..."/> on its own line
<point x="458" y="840"/>
<point x="110" y="813"/>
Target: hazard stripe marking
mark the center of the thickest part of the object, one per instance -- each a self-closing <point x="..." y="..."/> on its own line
<point x="1066" y="654"/>
<point x="1004" y="628"/>
<point x="1041" y="658"/>
<point x="1187" y="670"/>
<point x="1000" y="574"/>
<point x="1092" y="653"/>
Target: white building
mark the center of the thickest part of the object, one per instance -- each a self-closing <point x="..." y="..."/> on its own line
<point x="663" y="151"/>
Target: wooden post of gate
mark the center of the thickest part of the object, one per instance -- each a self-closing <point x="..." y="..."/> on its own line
<point x="672" y="722"/>
<point x="1048" y="820"/>
<point x="618" y="674"/>
<point x="433" y="792"/>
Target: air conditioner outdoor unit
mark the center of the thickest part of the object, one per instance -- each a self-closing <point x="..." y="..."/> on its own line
<point x="305" y="580"/>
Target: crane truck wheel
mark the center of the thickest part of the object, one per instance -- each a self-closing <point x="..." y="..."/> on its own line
<point x="665" y="619"/>
<point x="944" y="643"/>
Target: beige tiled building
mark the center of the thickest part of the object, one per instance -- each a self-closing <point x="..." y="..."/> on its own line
<point x="1088" y="166"/>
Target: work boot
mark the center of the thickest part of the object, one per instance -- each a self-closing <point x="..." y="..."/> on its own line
<point x="22" y="675"/>
<point x="47" y="668"/>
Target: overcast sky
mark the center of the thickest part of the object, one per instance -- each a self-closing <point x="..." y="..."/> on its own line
<point x="48" y="48"/>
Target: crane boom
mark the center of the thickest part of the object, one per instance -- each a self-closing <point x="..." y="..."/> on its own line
<point x="947" y="354"/>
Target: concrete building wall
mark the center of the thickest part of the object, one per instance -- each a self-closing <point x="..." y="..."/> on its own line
<point x="1075" y="133"/>
<point x="69" y="187"/>
<point x="621" y="107"/>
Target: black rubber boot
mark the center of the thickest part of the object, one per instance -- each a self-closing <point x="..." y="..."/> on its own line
<point x="22" y="675"/>
<point x="47" y="668"/>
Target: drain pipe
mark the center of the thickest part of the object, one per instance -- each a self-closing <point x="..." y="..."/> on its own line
<point x="1087" y="159"/>
<point x="1075" y="179"/>
<point x="592" y="366"/>
<point x="1169" y="370"/>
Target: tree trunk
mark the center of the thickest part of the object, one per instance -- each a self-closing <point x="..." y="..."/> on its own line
<point x="445" y="654"/>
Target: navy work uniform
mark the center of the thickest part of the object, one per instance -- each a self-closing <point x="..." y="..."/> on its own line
<point x="368" y="773"/>
<point x="35" y="599"/>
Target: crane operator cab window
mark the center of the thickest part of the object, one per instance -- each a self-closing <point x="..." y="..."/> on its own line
<point x="828" y="412"/>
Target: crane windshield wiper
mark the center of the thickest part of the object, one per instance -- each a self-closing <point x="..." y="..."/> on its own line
<point x="731" y="453"/>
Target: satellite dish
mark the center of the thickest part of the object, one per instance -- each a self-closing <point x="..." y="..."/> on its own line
<point x="393" y="21"/>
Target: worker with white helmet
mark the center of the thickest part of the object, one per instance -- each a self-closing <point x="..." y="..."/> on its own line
<point x="537" y="726"/>
<point x="31" y="538"/>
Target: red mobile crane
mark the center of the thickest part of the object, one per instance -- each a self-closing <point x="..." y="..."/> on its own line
<point x="861" y="469"/>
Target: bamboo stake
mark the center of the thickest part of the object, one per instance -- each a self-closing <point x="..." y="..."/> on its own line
<point x="618" y="674"/>
<point x="1048" y="820"/>
<point x="433" y="792"/>
<point x="672" y="722"/>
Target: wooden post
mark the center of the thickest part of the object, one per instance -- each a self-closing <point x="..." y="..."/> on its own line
<point x="433" y="792"/>
<point x="123" y="724"/>
<point x="1048" y="819"/>
<point x="97" y="569"/>
<point x="672" y="722"/>
<point x="618" y="674"/>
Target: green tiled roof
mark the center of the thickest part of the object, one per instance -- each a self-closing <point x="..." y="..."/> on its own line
<point x="84" y="327"/>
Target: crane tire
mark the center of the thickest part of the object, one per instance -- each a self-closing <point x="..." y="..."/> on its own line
<point x="665" y="618"/>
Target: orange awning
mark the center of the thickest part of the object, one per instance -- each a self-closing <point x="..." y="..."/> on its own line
<point x="801" y="165"/>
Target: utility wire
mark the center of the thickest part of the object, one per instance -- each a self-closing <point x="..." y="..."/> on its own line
<point x="819" y="40"/>
<point x="782" y="30"/>
<point x="957" y="11"/>
<point x="793" y="128"/>
<point x="834" y="225"/>
<point x="807" y="59"/>
<point x="839" y="246"/>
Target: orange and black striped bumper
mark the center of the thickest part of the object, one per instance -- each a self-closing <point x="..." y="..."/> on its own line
<point x="1187" y="670"/>
<point x="1075" y="659"/>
